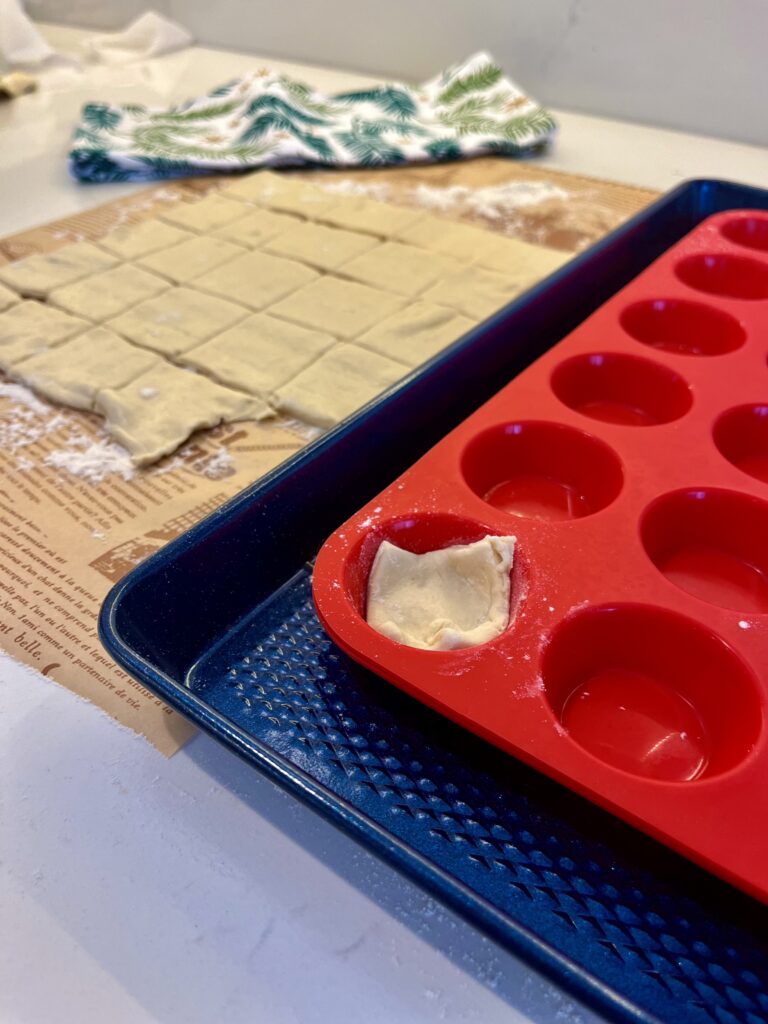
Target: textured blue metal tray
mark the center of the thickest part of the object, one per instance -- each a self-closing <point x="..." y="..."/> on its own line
<point x="221" y="625"/>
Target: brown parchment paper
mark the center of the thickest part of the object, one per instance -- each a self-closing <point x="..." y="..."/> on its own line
<point x="65" y="540"/>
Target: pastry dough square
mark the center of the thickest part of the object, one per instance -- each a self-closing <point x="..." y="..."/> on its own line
<point x="416" y="333"/>
<point x="256" y="227"/>
<point x="176" y="320"/>
<point x="475" y="292"/>
<point x="260" y="187"/>
<point x="203" y="215"/>
<point x="75" y="371"/>
<point x="157" y="411"/>
<point x="462" y="241"/>
<point x="259" y="354"/>
<point x="256" y="279"/>
<point x="134" y="240"/>
<point x="32" y="327"/>
<point x="191" y="258"/>
<point x="400" y="268"/>
<point x="37" y="276"/>
<point x="319" y="246"/>
<point x="302" y="200"/>
<point x="343" y="308"/>
<point x="442" y="600"/>
<point x="283" y="192"/>
<point x="358" y="213"/>
<point x="335" y="385"/>
<point x="519" y="259"/>
<point x="105" y="295"/>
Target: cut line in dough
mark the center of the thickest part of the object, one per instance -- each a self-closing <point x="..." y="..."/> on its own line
<point x="337" y="383"/>
<point x="319" y="246"/>
<point x="475" y="292"/>
<point x="416" y="333"/>
<point x="397" y="267"/>
<point x="31" y="328"/>
<point x="358" y="213"/>
<point x="102" y="296"/>
<point x="74" y="372"/>
<point x="442" y="600"/>
<point x="37" y="276"/>
<point x="335" y="306"/>
<point x="132" y="241"/>
<point x="8" y="297"/>
<point x="256" y="227"/>
<point x="191" y="258"/>
<point x="259" y="354"/>
<point x="176" y="320"/>
<point x="203" y="215"/>
<point x="256" y="279"/>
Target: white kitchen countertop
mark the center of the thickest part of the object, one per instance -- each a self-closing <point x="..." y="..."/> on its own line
<point x="138" y="889"/>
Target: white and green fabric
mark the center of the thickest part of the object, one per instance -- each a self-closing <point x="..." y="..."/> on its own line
<point x="266" y="118"/>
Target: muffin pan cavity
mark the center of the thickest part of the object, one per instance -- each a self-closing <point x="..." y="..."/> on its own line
<point x="734" y="277"/>
<point x="619" y="388"/>
<point x="749" y="231"/>
<point x="741" y="436"/>
<point x="641" y="688"/>
<point x="541" y="470"/>
<point x="683" y="327"/>
<point x="713" y="544"/>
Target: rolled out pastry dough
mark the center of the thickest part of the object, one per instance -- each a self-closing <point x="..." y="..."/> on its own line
<point x="442" y="600"/>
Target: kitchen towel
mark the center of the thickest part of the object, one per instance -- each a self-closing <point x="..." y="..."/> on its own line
<point x="269" y="119"/>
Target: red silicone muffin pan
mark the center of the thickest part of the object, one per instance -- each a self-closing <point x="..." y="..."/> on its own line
<point x="631" y="463"/>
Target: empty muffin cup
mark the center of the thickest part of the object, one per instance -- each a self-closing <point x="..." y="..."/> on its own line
<point x="741" y="436"/>
<point x="625" y="389"/>
<point x="713" y="544"/>
<point x="651" y="692"/>
<point x="749" y="231"/>
<point x="540" y="470"/>
<point x="682" y="327"/>
<point x="732" y="277"/>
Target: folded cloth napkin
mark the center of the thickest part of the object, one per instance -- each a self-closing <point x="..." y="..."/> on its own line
<point x="266" y="118"/>
<point x="149" y="35"/>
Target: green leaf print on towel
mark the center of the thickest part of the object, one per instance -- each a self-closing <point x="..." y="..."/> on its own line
<point x="101" y="116"/>
<point x="367" y="146"/>
<point x="476" y="81"/>
<point x="279" y="106"/>
<point x="392" y="100"/>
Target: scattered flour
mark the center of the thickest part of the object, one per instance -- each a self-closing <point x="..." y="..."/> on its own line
<point x="218" y="464"/>
<point x="21" y="396"/>
<point x="532" y="688"/>
<point x="25" y="420"/>
<point x="306" y="431"/>
<point x="349" y="187"/>
<point x="493" y="201"/>
<point x="94" y="462"/>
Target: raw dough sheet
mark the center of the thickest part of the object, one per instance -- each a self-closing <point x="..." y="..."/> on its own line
<point x="271" y="294"/>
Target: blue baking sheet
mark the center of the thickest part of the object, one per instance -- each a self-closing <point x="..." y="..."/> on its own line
<point x="221" y="625"/>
